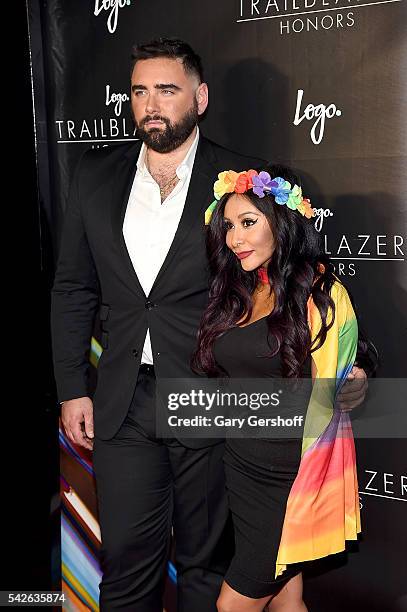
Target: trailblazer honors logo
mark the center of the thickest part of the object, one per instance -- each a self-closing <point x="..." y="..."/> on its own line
<point x="346" y="249"/>
<point x="113" y="6"/>
<point x="319" y="114"/>
<point x="98" y="130"/>
<point x="296" y="16"/>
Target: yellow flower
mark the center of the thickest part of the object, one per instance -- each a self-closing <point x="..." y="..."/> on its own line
<point x="225" y="184"/>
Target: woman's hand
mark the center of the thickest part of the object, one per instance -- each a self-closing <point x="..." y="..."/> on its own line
<point x="354" y="390"/>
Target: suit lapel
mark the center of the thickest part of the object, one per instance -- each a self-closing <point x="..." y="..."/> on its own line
<point x="198" y="198"/>
<point x="122" y="184"/>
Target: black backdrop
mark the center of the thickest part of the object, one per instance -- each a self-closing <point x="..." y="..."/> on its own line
<point x="318" y="84"/>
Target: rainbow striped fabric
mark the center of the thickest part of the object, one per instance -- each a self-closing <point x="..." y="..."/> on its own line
<point x="323" y="505"/>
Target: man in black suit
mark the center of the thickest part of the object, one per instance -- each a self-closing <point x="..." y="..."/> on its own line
<point x="133" y="247"/>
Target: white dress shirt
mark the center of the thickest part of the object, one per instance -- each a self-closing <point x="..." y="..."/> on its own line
<point x="149" y="226"/>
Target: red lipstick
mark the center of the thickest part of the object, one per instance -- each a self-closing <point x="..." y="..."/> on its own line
<point x="244" y="254"/>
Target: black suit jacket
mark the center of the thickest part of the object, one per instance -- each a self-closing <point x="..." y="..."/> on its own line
<point x="95" y="271"/>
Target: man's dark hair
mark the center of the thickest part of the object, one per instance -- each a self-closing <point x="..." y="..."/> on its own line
<point x="171" y="48"/>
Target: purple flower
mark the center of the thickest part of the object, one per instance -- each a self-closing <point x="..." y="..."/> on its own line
<point x="261" y="183"/>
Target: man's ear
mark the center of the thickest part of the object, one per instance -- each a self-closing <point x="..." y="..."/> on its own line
<point x="202" y="97"/>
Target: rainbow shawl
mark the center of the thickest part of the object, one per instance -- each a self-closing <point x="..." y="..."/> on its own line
<point x="323" y="506"/>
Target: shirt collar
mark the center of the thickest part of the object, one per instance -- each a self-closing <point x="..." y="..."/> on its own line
<point x="184" y="168"/>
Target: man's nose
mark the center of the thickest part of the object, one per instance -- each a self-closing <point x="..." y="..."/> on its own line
<point x="152" y="105"/>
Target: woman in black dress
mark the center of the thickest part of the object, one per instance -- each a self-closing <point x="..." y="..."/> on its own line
<point x="266" y="262"/>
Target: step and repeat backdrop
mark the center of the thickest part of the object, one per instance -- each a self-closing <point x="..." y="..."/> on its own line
<point x="320" y="85"/>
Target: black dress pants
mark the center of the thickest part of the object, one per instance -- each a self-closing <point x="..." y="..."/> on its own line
<point x="145" y="486"/>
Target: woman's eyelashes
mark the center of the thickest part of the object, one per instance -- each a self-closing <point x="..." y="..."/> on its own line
<point x="245" y="223"/>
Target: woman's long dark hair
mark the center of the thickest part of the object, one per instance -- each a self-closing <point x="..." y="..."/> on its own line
<point x="299" y="268"/>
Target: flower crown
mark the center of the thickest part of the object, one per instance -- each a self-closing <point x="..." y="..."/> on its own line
<point x="262" y="184"/>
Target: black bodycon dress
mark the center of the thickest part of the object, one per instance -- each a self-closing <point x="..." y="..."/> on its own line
<point x="259" y="472"/>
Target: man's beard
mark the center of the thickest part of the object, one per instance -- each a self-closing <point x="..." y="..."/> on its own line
<point x="172" y="136"/>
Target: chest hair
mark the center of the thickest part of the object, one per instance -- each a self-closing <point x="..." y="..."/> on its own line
<point x="166" y="178"/>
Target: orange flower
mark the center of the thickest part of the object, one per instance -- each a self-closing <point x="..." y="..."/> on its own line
<point x="305" y="208"/>
<point x="251" y="174"/>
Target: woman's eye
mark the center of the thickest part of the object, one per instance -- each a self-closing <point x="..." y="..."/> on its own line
<point x="245" y="222"/>
<point x="248" y="222"/>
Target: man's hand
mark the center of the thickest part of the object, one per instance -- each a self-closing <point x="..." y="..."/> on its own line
<point x="354" y="390"/>
<point x="77" y="419"/>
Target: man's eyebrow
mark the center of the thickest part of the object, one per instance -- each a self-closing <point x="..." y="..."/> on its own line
<point x="167" y="86"/>
<point x="157" y="86"/>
